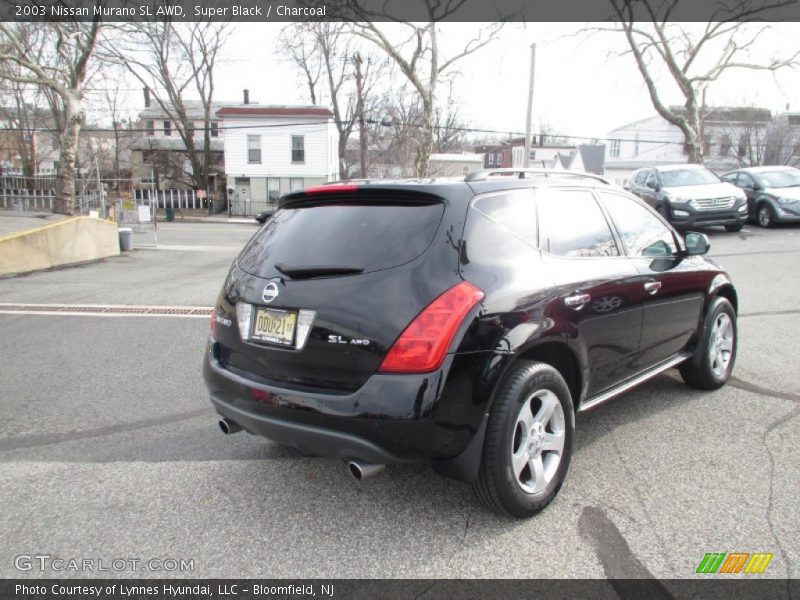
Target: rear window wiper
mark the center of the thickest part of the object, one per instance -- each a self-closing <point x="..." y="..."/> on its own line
<point x="309" y="271"/>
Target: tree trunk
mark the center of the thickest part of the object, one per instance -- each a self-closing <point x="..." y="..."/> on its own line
<point x="426" y="139"/>
<point x="65" y="177"/>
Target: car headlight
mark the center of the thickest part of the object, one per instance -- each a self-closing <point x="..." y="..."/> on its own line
<point x="743" y="208"/>
<point x="680" y="213"/>
<point x="678" y="199"/>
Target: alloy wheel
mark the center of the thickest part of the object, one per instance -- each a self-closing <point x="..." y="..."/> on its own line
<point x="538" y="441"/>
<point x="720" y="348"/>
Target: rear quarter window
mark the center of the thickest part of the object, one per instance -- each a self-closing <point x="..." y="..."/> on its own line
<point x="370" y="236"/>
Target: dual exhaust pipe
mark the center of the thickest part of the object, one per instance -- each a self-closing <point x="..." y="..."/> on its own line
<point x="358" y="469"/>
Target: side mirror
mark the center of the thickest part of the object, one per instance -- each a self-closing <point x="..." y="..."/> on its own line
<point x="653" y="185"/>
<point x="756" y="187"/>
<point x="696" y="243"/>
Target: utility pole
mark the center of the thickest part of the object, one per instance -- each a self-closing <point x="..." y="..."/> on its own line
<point x="362" y="130"/>
<point x="526" y="161"/>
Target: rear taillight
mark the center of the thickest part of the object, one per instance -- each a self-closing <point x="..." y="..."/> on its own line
<point x="423" y="344"/>
<point x="214" y="323"/>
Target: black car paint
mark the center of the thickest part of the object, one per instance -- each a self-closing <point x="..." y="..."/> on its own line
<point x="337" y="404"/>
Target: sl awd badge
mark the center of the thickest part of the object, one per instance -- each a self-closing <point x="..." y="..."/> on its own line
<point x="270" y="292"/>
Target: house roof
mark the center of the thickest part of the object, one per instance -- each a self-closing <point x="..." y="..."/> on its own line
<point x="273" y="111"/>
<point x="594" y="158"/>
<point x="194" y="109"/>
<point x="456" y="157"/>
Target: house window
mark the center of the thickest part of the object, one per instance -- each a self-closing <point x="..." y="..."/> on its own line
<point x="725" y="145"/>
<point x="499" y="159"/>
<point x="706" y="144"/>
<point x="295" y="183"/>
<point x="147" y="157"/>
<point x="273" y="189"/>
<point x="298" y="149"/>
<point x="614" y="150"/>
<point x="151" y="128"/>
<point x="491" y="160"/>
<point x="167" y="128"/>
<point x="254" y="149"/>
<point x="214" y="129"/>
<point x="636" y="146"/>
<point x="744" y="142"/>
<point x="465" y="170"/>
<point x="55" y="143"/>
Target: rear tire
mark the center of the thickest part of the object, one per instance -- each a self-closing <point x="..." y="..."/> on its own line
<point x="765" y="216"/>
<point x="712" y="363"/>
<point x="528" y="442"/>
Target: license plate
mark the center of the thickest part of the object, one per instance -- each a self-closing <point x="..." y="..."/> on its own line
<point x="274" y="326"/>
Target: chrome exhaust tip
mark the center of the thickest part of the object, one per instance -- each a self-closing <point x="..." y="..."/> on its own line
<point x="361" y="470"/>
<point x="227" y="426"/>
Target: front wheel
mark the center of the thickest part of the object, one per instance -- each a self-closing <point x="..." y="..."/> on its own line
<point x="766" y="218"/>
<point x="711" y="366"/>
<point x="528" y="441"/>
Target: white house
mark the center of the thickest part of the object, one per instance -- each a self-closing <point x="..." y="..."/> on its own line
<point x="454" y="164"/>
<point x="271" y="150"/>
<point x="729" y="135"/>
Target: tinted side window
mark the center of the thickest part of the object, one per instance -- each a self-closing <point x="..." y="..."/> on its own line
<point x="641" y="231"/>
<point x="641" y="177"/>
<point x="513" y="211"/>
<point x="731" y="178"/>
<point x="746" y="181"/>
<point x="572" y="224"/>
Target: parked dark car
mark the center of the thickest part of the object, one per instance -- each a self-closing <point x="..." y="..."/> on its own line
<point x="265" y="215"/>
<point x="690" y="196"/>
<point x="773" y="193"/>
<point x="461" y="323"/>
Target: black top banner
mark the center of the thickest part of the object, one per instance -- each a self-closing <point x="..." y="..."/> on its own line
<point x="400" y="10"/>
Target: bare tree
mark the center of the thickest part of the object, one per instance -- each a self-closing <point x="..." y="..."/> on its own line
<point x="330" y="60"/>
<point x="302" y="50"/>
<point x="20" y="104"/>
<point x="418" y="55"/>
<point x="172" y="60"/>
<point x="692" y="59"/>
<point x="782" y="141"/>
<point x="55" y="58"/>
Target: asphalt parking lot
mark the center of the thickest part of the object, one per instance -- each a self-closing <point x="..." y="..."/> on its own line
<point x="109" y="448"/>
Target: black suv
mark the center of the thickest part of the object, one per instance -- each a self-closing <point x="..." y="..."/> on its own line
<point x="461" y="323"/>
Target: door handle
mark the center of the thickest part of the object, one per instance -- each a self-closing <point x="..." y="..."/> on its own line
<point x="652" y="287"/>
<point x="577" y="301"/>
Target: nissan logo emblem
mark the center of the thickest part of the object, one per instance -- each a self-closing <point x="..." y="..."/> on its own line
<point x="270" y="292"/>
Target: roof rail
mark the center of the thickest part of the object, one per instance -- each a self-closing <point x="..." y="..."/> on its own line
<point x="485" y="174"/>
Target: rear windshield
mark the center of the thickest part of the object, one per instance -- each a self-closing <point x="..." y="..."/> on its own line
<point x="368" y="237"/>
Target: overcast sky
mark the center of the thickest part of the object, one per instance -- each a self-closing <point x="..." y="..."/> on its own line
<point x="582" y="87"/>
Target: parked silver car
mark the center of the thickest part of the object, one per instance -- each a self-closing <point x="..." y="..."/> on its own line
<point x="690" y="196"/>
<point x="773" y="193"/>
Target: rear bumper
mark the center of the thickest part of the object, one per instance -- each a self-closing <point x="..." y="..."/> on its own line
<point x="433" y="417"/>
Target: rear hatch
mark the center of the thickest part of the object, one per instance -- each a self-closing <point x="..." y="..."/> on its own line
<point x="323" y="290"/>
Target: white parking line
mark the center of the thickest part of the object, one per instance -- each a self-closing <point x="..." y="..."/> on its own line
<point x="106" y="310"/>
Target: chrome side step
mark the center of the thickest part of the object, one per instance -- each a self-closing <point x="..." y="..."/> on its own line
<point x="641" y="378"/>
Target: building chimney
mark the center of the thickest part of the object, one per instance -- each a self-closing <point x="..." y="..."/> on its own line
<point x="247" y="96"/>
<point x="146" y="97"/>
